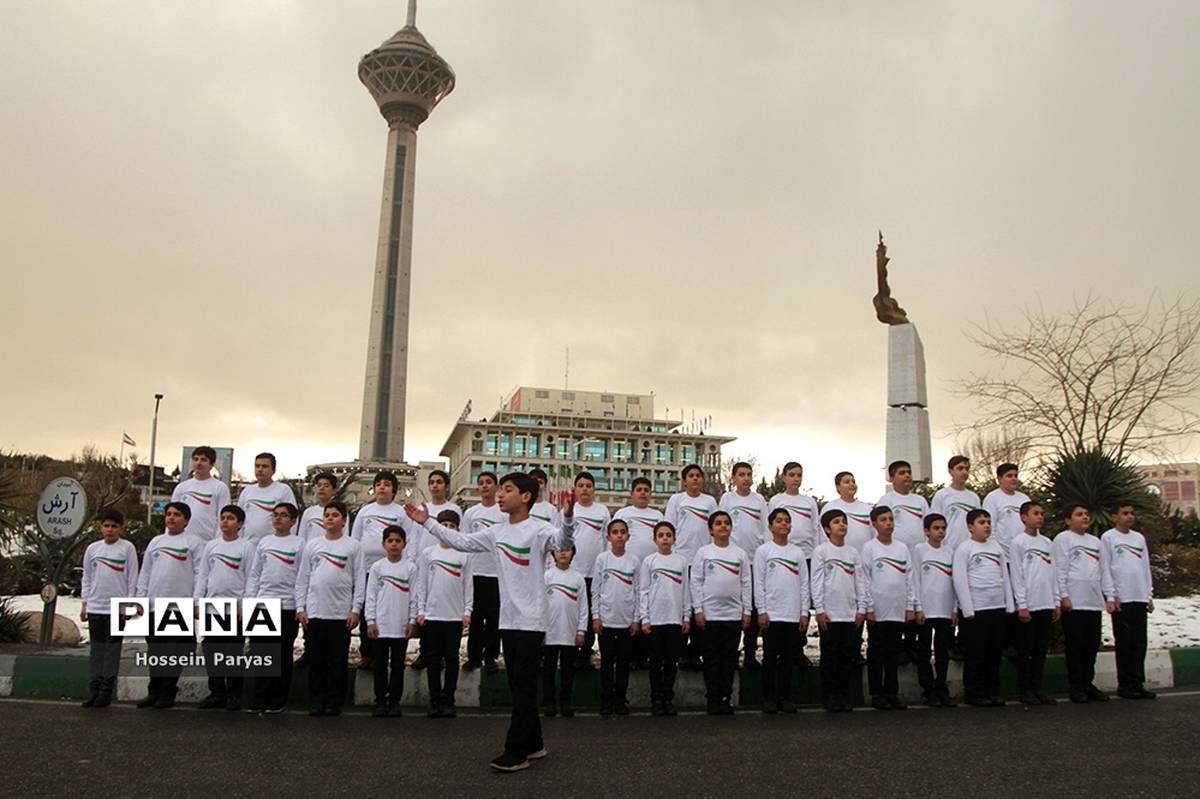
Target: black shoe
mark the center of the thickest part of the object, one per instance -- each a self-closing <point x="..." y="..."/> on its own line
<point x="713" y="709"/>
<point x="669" y="709"/>
<point x="334" y="710"/>
<point x="448" y="712"/>
<point x="1045" y="700"/>
<point x="1078" y="696"/>
<point x="832" y="705"/>
<point x="769" y="706"/>
<point x="490" y="666"/>
<point x="787" y="706"/>
<point x="606" y="710"/>
<point x="1094" y="694"/>
<point x="256" y="708"/>
<point x="931" y="699"/>
<point x="508" y="762"/>
<point x="656" y="709"/>
<point x="1143" y="693"/>
<point x="566" y="711"/>
<point x="165" y="701"/>
<point x="896" y="703"/>
<point x="943" y="696"/>
<point x="93" y="694"/>
<point x="845" y="705"/>
<point x="621" y="709"/>
<point x="549" y="711"/>
<point x="880" y="702"/>
<point x="211" y="702"/>
<point x="979" y="701"/>
<point x="1128" y="693"/>
<point x="472" y="664"/>
<point x="234" y="704"/>
<point x="104" y="698"/>
<point x="1030" y="698"/>
<point x="995" y="701"/>
<point x="316" y="710"/>
<point x="435" y="712"/>
<point x="380" y="711"/>
<point x="274" y="711"/>
<point x="393" y="710"/>
<point x="726" y="708"/>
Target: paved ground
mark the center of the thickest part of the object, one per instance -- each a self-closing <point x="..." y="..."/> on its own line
<point x="1117" y="749"/>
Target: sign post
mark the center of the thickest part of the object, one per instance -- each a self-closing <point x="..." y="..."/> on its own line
<point x="61" y="513"/>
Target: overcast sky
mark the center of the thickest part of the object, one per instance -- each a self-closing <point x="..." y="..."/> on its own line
<point x="684" y="193"/>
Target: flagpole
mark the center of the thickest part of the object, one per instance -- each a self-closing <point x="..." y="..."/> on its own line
<point x="153" y="446"/>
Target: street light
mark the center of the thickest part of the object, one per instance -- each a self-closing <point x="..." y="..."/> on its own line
<point x="153" y="446"/>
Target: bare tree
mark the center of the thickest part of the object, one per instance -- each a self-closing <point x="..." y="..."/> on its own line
<point x="1101" y="375"/>
<point x="987" y="449"/>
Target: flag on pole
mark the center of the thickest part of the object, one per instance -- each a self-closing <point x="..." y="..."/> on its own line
<point x="127" y="441"/>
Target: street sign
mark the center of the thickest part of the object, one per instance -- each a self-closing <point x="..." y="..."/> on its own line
<point x="62" y="509"/>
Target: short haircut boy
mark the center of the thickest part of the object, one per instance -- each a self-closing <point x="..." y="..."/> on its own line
<point x="205" y="451"/>
<point x="837" y="478"/>
<point x="536" y="474"/>
<point x="328" y="477"/>
<point x="737" y="467"/>
<point x="1069" y="510"/>
<point x="340" y="507"/>
<point x="389" y="477"/>
<point x="395" y="529"/>
<point x="449" y="515"/>
<point x="292" y="511"/>
<point x="712" y="519"/>
<point x="266" y="456"/>
<point x="828" y="516"/>
<point x="776" y="513"/>
<point x="689" y="469"/>
<point x="957" y="459"/>
<point x="439" y="473"/>
<point x="976" y="513"/>
<point x="492" y="475"/>
<point x="787" y="467"/>
<point x="895" y="466"/>
<point x="640" y="481"/>
<point x="236" y="511"/>
<point x="525" y="484"/>
<point x="1028" y="506"/>
<point x="585" y="476"/>
<point x="113" y="515"/>
<point x="930" y="518"/>
<point x="182" y="507"/>
<point x="878" y="511"/>
<point x="1005" y="468"/>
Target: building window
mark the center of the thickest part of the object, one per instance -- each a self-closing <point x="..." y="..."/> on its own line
<point x="490" y="448"/>
<point x="633" y="400"/>
<point x="662" y="453"/>
<point x="594" y="451"/>
<point x="568" y="396"/>
<point x="539" y="394"/>
<point x="505" y="444"/>
<point x="606" y="398"/>
<point x="620" y="451"/>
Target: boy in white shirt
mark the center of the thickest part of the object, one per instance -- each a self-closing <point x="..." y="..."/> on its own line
<point x="543" y="509"/>
<point x="1031" y="569"/>
<point x="391" y="613"/>
<point x="689" y="511"/>
<point x="985" y="596"/>
<point x="1079" y="562"/>
<point x="839" y="598"/>
<point x="748" y="510"/>
<point x="1129" y="596"/>
<point x="259" y="499"/>
<point x="312" y="525"/>
<point x="223" y="570"/>
<point x="955" y="501"/>
<point x="806" y="528"/>
<point x="614" y="617"/>
<point x="110" y="571"/>
<point x="273" y="576"/>
<point x="369" y="523"/>
<point x="1004" y="503"/>
<point x="780" y="580"/>
<point x="933" y="574"/>
<point x="444" y="596"/>
<point x="858" y="513"/>
<point x="204" y="495"/>
<point x="664" y="609"/>
<point x="591" y="527"/>
<point x="566" y="621"/>
<point x="641" y="518"/>
<point x="721" y="603"/>
<point x="891" y="603"/>
<point x="483" y="638"/>
<point x="909" y="511"/>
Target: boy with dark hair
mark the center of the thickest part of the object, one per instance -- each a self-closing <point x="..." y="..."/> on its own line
<point x="312" y="521"/>
<point x="273" y="576"/>
<point x="839" y="598"/>
<point x="370" y="522"/>
<point x="1004" y="504"/>
<point x="1129" y="596"/>
<point x="543" y="509"/>
<point x="330" y="590"/>
<point x="1031" y="569"/>
<point x="204" y="495"/>
<point x="781" y="593"/>
<point x="689" y="511"/>
<point x="664" y="605"/>
<point x="806" y="529"/>
<point x="520" y="544"/>
<point x="439" y="496"/>
<point x="591" y="526"/>
<point x="614" y="617"/>
<point x="110" y="571"/>
<point x="641" y="518"/>
<point x="391" y="613"/>
<point x="955" y="501"/>
<point x="444" y="595"/>
<point x="985" y="596"/>
<point x="259" y="498"/>
<point x="937" y="617"/>
<point x="566" y="621"/>
<point x="483" y="638"/>
<point x="748" y="510"/>
<point x="223" y="569"/>
<point x="858" y="513"/>
<point x="891" y="603"/>
<point x="1079" y="562"/>
<point x="170" y="566"/>
<point x="721" y="603"/>
<point x="908" y="510"/>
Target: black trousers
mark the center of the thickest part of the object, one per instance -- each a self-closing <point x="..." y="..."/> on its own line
<point x="329" y="645"/>
<point x="1032" y="640"/>
<point x="389" y="670"/>
<point x="441" y="640"/>
<point x="522" y="649"/>
<point x="936" y="635"/>
<point x="616" y="650"/>
<point x="1081" y="637"/>
<point x="750" y="636"/>
<point x="589" y="635"/>
<point x="1129" y="630"/>
<point x="720" y="659"/>
<point x="366" y="644"/>
<point x="664" y="644"/>
<point x="984" y="637"/>
<point x="883" y="657"/>
<point x="781" y="647"/>
<point x="164" y="680"/>
<point x="911" y="640"/>
<point x="220" y="682"/>
<point x="839" y="645"/>
<point x="483" y="638"/>
<point x="273" y="692"/>
<point x="552" y="657"/>
<point x="105" y="648"/>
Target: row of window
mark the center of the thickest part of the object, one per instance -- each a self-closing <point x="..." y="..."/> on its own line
<point x="607" y="479"/>
<point x="532" y="445"/>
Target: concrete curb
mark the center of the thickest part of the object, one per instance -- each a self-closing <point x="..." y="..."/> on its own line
<point x="64" y="675"/>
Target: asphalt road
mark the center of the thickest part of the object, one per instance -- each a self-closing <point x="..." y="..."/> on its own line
<point x="1116" y="749"/>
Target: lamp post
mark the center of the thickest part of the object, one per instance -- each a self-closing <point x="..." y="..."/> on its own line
<point x="153" y="446"/>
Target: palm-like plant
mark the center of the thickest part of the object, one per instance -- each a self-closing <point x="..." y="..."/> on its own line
<point x="1097" y="480"/>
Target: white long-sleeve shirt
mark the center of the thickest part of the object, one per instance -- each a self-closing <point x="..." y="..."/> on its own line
<point x="110" y="571"/>
<point x="721" y="583"/>
<point x="806" y="520"/>
<point x="690" y="516"/>
<point x="259" y="504"/>
<point x="615" y="589"/>
<point x="839" y="582"/>
<point x="566" y="606"/>
<point x="546" y="513"/>
<point x="205" y="498"/>
<point x="1005" y="510"/>
<point x="891" y="590"/>
<point x="170" y="565"/>
<point x="981" y="577"/>
<point x="480" y="517"/>
<point x="780" y="581"/>
<point x="591" y="533"/>
<point x="389" y="601"/>
<point x="749" y="514"/>
<point x="224" y="567"/>
<point x="312" y="523"/>
<point x="445" y="591"/>
<point x="935" y="582"/>
<point x="331" y="579"/>
<point x="641" y="523"/>
<point x="1127" y="578"/>
<point x="273" y="572"/>
<point x="1031" y="569"/>
<point x="665" y="595"/>
<point x="1078" y="562"/>
<point x="858" y="521"/>
<point x="519" y="550"/>
<point x="955" y="504"/>
<point x="368" y="529"/>
<point x="909" y="511"/>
